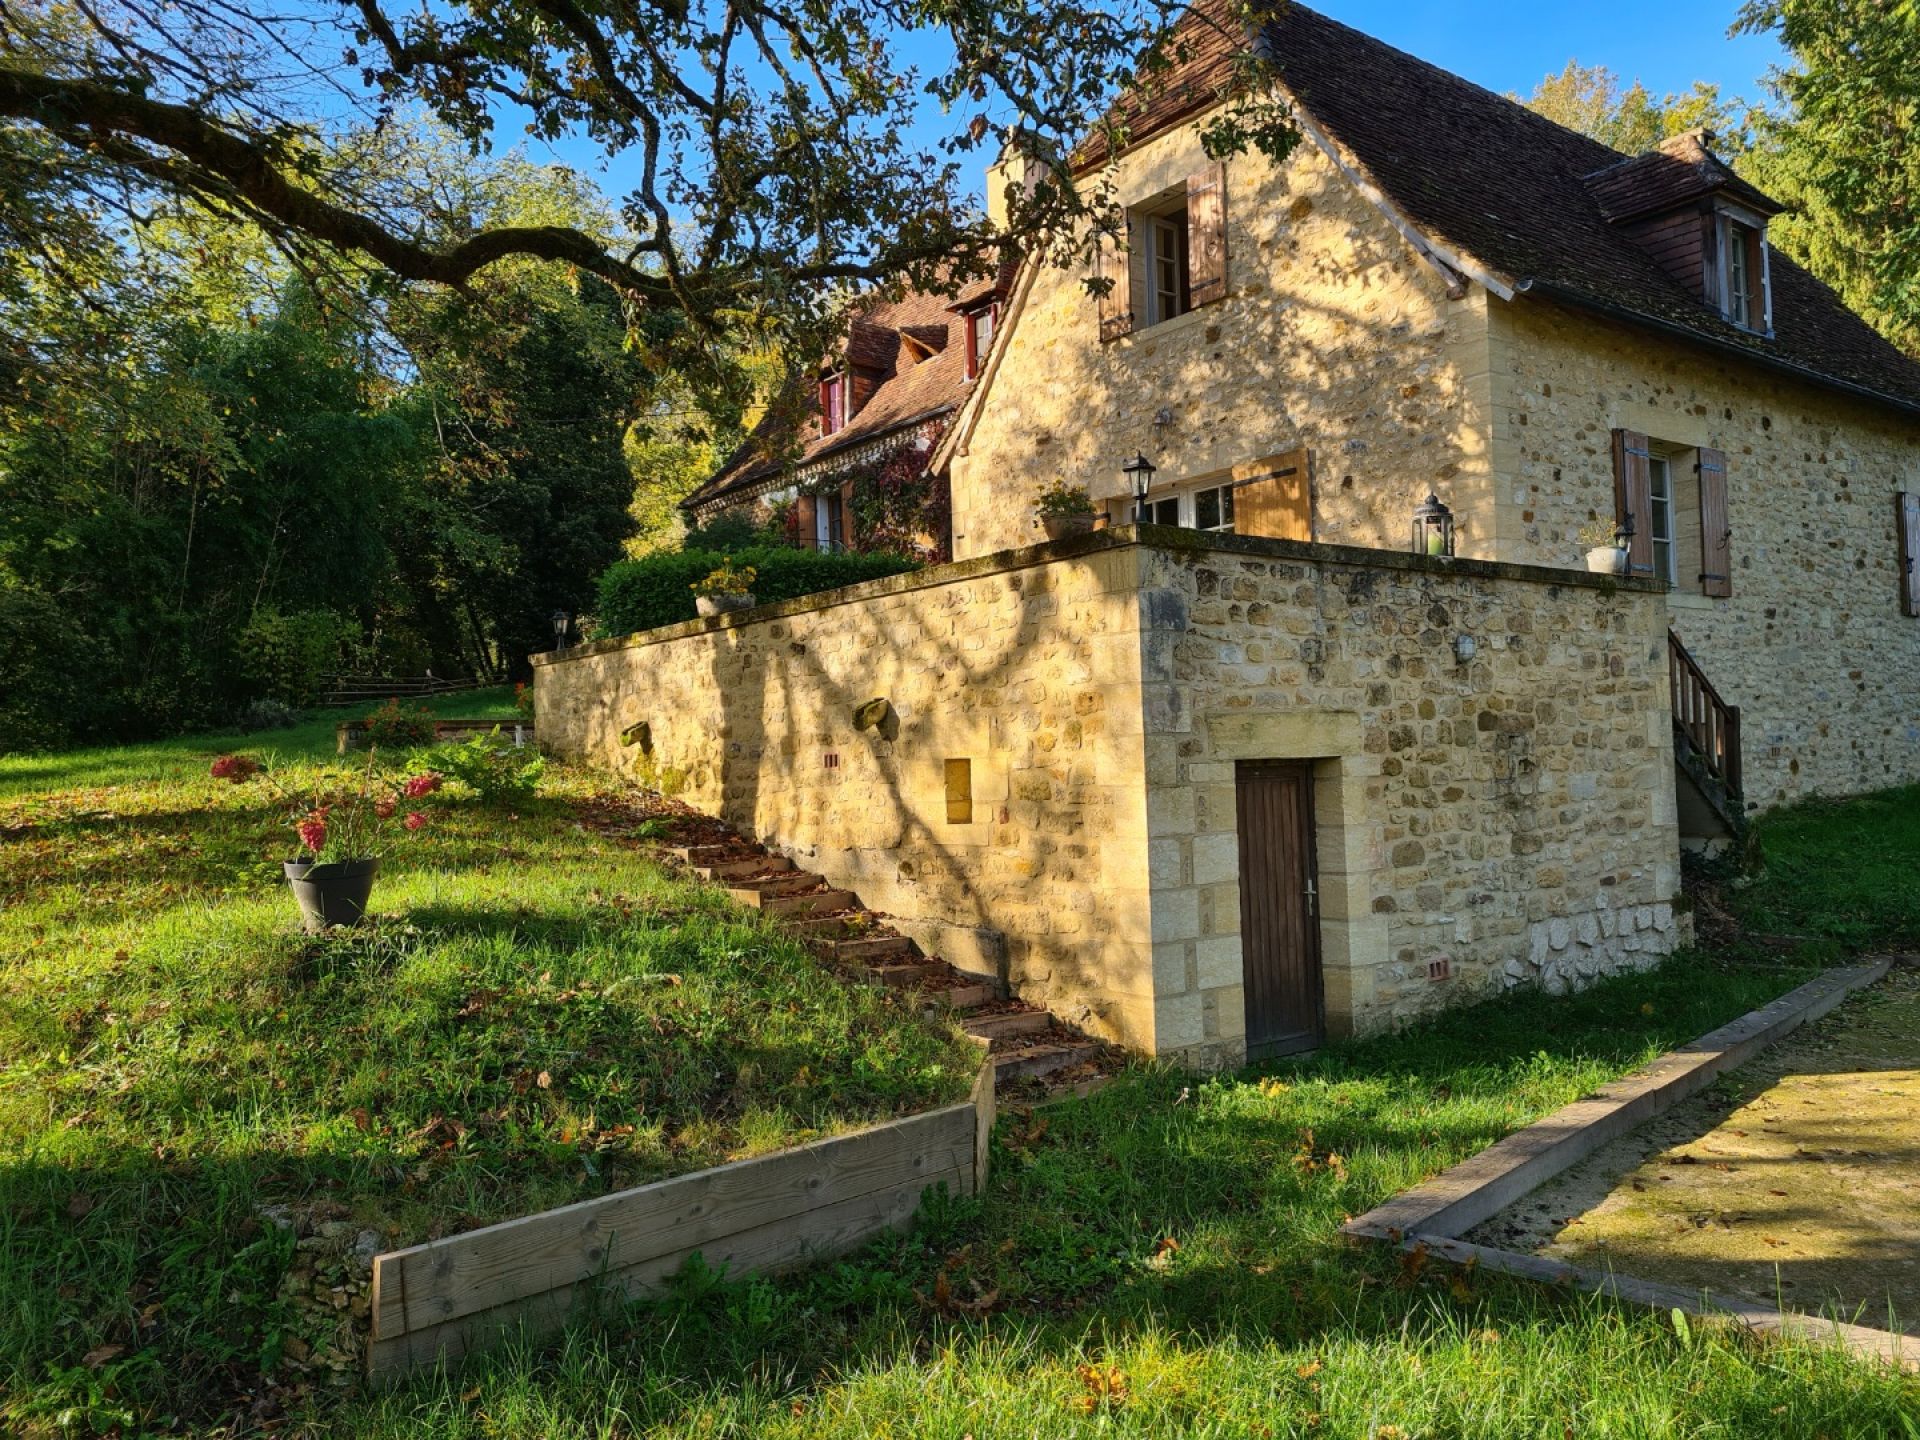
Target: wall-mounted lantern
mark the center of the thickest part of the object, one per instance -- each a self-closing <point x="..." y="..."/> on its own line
<point x="1432" y="527"/>
<point x="1139" y="473"/>
<point x="561" y="620"/>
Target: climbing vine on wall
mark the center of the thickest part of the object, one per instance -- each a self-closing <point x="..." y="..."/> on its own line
<point x="898" y="505"/>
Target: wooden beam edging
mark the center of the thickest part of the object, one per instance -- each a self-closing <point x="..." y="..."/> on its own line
<point x="1431" y="1217"/>
<point x="1482" y="1185"/>
<point x="437" y="1302"/>
<point x="1888" y="1346"/>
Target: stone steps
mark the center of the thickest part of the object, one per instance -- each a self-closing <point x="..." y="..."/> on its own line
<point x="1026" y="1043"/>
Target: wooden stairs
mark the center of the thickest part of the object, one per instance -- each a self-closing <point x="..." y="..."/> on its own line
<point x="1706" y="754"/>
<point x="1035" y="1056"/>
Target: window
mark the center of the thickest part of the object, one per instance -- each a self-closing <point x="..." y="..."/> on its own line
<point x="1660" y="516"/>
<point x="1169" y="291"/>
<point x="833" y="403"/>
<point x="829" y="520"/>
<point x="1213" y="509"/>
<point x="980" y="328"/>
<point x="1209" y="509"/>
<point x="1743" y="273"/>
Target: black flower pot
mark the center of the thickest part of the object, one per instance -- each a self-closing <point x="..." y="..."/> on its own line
<point x="331" y="894"/>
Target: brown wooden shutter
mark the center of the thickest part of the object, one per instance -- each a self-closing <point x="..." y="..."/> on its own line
<point x="1716" y="535"/>
<point x="1908" y="508"/>
<point x="1207" y="235"/>
<point x="1756" y="280"/>
<point x="1633" y="498"/>
<point x="1116" y="306"/>
<point x="806" y="508"/>
<point x="1274" y="497"/>
<point x="843" y="516"/>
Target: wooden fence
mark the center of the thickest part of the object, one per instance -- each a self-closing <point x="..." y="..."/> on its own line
<point x="437" y="1302"/>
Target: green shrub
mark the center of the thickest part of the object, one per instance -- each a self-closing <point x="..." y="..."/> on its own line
<point x="657" y="589"/>
<point x="391" y="726"/>
<point x="489" y="766"/>
<point x="289" y="657"/>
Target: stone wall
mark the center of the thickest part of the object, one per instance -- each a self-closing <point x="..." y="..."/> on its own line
<point x="1512" y="814"/>
<point x="1333" y="335"/>
<point x="1811" y="644"/>
<point x="1027" y="666"/>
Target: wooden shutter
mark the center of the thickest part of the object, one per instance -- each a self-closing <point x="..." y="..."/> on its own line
<point x="1633" y="498"/>
<point x="1274" y="497"/>
<point x="1207" y="235"/>
<point x="1716" y="535"/>
<point x="807" y="520"/>
<point x="843" y="517"/>
<point x="1908" y="508"/>
<point x="1116" y="306"/>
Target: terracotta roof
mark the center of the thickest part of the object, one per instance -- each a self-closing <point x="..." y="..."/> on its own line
<point x="1499" y="185"/>
<point x="910" y="391"/>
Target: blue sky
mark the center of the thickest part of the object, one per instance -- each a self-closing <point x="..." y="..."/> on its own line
<point x="1505" y="45"/>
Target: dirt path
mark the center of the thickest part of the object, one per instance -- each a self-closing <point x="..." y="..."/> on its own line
<point x="1795" y="1179"/>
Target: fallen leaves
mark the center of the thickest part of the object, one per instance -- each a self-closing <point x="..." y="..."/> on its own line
<point x="1105" y="1389"/>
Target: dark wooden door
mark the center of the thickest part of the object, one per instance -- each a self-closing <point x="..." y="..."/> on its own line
<point x="1279" y="907"/>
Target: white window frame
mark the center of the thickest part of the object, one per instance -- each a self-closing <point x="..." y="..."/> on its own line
<point x="1169" y="278"/>
<point x="1660" y="523"/>
<point x="1727" y="240"/>
<point x="982" y="325"/>
<point x="1186" y="507"/>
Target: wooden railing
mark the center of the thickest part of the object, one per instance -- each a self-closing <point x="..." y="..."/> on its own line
<point x="352" y="689"/>
<point x="1703" y="717"/>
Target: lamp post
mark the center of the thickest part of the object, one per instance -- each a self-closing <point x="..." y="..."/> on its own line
<point x="560" y="622"/>
<point x="1139" y="473"/>
<point x="1432" y="527"/>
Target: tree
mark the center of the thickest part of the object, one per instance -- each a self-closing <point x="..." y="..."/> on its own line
<point x="1591" y="101"/>
<point x="1844" y="150"/>
<point x="772" y="146"/>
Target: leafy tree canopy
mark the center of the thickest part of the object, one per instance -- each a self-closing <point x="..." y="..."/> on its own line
<point x="769" y="152"/>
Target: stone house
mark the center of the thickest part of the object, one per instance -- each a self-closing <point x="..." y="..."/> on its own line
<point x="892" y="384"/>
<point x="1242" y="769"/>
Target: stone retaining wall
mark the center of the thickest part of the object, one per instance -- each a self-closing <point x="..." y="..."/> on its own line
<point x="1512" y="814"/>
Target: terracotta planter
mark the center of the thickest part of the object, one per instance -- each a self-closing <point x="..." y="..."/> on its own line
<point x="1065" y="527"/>
<point x="711" y="605"/>
<point x="1607" y="560"/>
<point x="331" y="894"/>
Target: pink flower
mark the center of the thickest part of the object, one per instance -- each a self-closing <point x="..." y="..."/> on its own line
<point x="414" y="820"/>
<point x="313" y="832"/>
<point x="385" y="808"/>
<point x="234" y="767"/>
<point x="419" y="785"/>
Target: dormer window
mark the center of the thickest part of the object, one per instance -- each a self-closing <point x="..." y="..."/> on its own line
<point x="1743" y="272"/>
<point x="833" y="402"/>
<point x="980" y="327"/>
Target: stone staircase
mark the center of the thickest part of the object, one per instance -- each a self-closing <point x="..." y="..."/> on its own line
<point x="1034" y="1055"/>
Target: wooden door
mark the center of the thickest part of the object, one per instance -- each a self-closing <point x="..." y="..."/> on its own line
<point x="1279" y="907"/>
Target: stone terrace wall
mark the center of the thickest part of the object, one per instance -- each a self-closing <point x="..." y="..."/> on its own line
<point x="1513" y="814"/>
<point x="1811" y="644"/>
<point x="1027" y="665"/>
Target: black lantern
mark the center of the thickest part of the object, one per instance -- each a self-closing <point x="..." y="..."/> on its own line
<point x="1139" y="472"/>
<point x="560" y="622"/>
<point x="1432" y="527"/>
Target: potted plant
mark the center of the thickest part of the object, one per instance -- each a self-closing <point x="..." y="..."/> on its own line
<point x="724" y="590"/>
<point x="1064" y="510"/>
<point x="1606" y="547"/>
<point x="342" y="824"/>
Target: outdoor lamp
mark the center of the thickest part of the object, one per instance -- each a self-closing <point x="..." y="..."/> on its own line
<point x="560" y="619"/>
<point x="1139" y="473"/>
<point x="1432" y="527"/>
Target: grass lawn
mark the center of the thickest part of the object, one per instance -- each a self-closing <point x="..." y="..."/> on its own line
<point x="1158" y="1260"/>
<point x="191" y="1091"/>
<point x="1161" y="1260"/>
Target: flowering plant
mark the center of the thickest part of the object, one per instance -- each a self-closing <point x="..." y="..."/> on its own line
<point x="1060" y="498"/>
<point x="727" y="581"/>
<point x="343" y="815"/>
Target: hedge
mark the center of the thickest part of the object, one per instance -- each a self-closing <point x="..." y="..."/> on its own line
<point x="656" y="590"/>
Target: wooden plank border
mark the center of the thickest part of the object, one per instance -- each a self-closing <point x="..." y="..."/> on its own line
<point x="1482" y="1185"/>
<point x="1432" y="1217"/>
<point x="437" y="1302"/>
